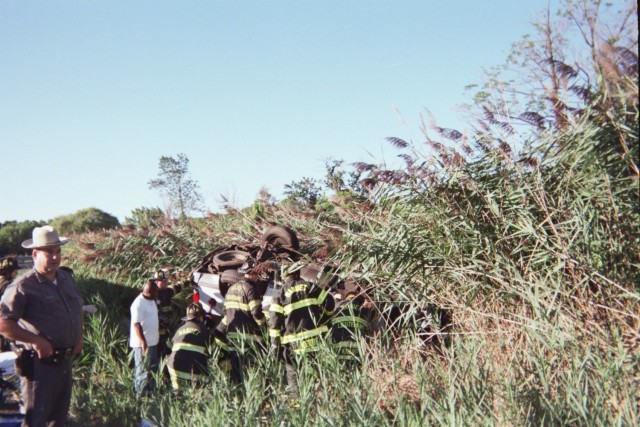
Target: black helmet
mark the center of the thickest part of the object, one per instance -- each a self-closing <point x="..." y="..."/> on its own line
<point x="193" y="311"/>
<point x="8" y="265"/>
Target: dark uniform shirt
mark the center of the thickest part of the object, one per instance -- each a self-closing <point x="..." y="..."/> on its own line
<point x="348" y="325"/>
<point x="300" y="314"/>
<point x="243" y="316"/>
<point x="165" y="308"/>
<point x="44" y="308"/>
<point x="190" y="352"/>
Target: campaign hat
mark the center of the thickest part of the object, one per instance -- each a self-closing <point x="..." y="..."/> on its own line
<point x="44" y="237"/>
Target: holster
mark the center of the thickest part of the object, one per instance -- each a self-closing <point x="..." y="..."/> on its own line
<point x="25" y="363"/>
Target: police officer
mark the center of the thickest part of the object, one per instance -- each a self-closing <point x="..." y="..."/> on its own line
<point x="188" y="362"/>
<point x="42" y="312"/>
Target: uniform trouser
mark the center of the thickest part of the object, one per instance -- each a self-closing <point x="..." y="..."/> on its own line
<point x="145" y="366"/>
<point x="181" y="383"/>
<point x="293" y="363"/>
<point x="163" y="348"/>
<point x="48" y="395"/>
<point x="240" y="355"/>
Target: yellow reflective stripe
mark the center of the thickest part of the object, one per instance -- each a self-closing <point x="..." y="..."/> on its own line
<point x="261" y="322"/>
<point x="189" y="347"/>
<point x="299" y="304"/>
<point x="224" y="321"/>
<point x="274" y="333"/>
<point x="223" y="345"/>
<point x="355" y="320"/>
<point x="184" y="375"/>
<point x="236" y="305"/>
<point x="255" y="303"/>
<point x="308" y="345"/>
<point x="323" y="296"/>
<point x="304" y="335"/>
<point x="297" y="288"/>
<point x="276" y="308"/>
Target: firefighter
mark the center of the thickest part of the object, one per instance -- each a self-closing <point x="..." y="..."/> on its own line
<point x="298" y="320"/>
<point x="349" y="324"/>
<point x="8" y="271"/>
<point x="242" y="323"/>
<point x="165" y="309"/>
<point x="188" y="362"/>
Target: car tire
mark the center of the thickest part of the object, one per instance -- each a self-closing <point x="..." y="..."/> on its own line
<point x="229" y="259"/>
<point x="281" y="236"/>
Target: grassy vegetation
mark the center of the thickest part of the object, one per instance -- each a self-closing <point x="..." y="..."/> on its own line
<point x="534" y="252"/>
<point x="537" y="260"/>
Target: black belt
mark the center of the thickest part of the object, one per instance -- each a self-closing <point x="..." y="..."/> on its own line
<point x="57" y="357"/>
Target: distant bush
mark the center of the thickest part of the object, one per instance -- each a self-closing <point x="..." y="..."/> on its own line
<point x="13" y="233"/>
<point x="91" y="219"/>
<point x="145" y="217"/>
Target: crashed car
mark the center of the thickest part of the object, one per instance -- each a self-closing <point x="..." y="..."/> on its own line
<point x="276" y="248"/>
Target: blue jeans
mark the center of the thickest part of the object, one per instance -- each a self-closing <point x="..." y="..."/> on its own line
<point x="145" y="366"/>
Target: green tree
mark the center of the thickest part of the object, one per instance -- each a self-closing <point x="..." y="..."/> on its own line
<point x="304" y="193"/>
<point x="82" y="221"/>
<point x="341" y="180"/>
<point x="145" y="217"/>
<point x="175" y="184"/>
<point x="13" y="233"/>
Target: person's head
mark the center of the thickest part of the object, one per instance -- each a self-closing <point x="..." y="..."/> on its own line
<point x="46" y="245"/>
<point x="9" y="268"/>
<point x="161" y="279"/>
<point x="150" y="289"/>
<point x="194" y="312"/>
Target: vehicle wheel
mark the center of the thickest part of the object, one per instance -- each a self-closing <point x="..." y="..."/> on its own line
<point x="281" y="236"/>
<point x="229" y="259"/>
<point x="231" y="277"/>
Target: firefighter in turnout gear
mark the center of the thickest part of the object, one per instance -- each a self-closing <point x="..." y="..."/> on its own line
<point x="165" y="310"/>
<point x="349" y="324"/>
<point x="243" y="323"/>
<point x="298" y="320"/>
<point x="188" y="362"/>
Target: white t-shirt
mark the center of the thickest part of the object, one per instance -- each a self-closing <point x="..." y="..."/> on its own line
<point x="145" y="312"/>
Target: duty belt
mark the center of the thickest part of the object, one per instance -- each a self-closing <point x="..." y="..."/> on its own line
<point x="57" y="357"/>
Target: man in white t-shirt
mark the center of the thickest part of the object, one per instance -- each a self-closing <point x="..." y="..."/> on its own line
<point x="143" y="338"/>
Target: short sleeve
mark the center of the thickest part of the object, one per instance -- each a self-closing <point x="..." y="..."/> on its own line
<point x="13" y="303"/>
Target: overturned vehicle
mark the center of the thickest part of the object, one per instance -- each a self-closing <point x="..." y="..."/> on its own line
<point x="277" y="248"/>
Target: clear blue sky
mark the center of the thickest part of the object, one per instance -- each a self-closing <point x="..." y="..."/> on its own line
<point x="255" y="93"/>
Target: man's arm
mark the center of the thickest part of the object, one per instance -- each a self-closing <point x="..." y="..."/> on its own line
<point x="10" y="329"/>
<point x="138" y="328"/>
